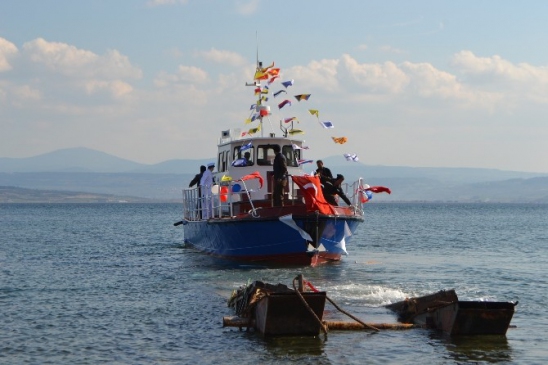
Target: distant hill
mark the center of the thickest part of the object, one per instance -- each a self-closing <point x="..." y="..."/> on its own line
<point x="89" y="160"/>
<point x="10" y="194"/>
<point x="82" y="169"/>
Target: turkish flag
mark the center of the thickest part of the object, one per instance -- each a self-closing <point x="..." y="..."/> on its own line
<point x="313" y="195"/>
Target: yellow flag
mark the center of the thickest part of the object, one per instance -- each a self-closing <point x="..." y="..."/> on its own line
<point x="254" y="130"/>
<point x="314" y="112"/>
<point x="295" y="131"/>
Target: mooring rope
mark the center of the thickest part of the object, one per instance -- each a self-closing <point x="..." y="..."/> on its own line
<point x="351" y="316"/>
<point x="313" y="288"/>
<point x="322" y="325"/>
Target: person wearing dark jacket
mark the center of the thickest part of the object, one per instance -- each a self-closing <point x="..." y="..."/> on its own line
<point x="323" y="172"/>
<point x="280" y="177"/>
<point x="197" y="177"/>
<point x="332" y="187"/>
<point x="196" y="181"/>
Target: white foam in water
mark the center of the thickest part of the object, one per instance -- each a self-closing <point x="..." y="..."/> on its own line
<point x="369" y="295"/>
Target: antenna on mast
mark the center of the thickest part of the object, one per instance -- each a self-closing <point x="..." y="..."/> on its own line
<point x="257" y="40"/>
<point x="258" y="64"/>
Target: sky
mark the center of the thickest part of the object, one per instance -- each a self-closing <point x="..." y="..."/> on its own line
<point x="409" y="83"/>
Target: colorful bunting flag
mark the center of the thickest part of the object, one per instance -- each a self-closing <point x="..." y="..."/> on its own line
<point x="239" y="162"/>
<point x="246" y="146"/>
<point x="279" y="92"/>
<point x="327" y="124"/>
<point x="302" y="162"/>
<point x="314" y="112"/>
<point x="286" y="84"/>
<point x="302" y="97"/>
<point x="284" y="103"/>
<point x="287" y="120"/>
<point x="351" y="157"/>
<point x="254" y="130"/>
<point x="248" y="121"/>
<point x="295" y="131"/>
<point x="296" y="147"/>
<point x="274" y="72"/>
<point x="260" y="75"/>
<point x="340" y="140"/>
<point x="265" y="69"/>
<point x="272" y="79"/>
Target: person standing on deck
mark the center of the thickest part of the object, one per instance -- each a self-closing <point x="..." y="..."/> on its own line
<point x="196" y="181"/>
<point x="197" y="177"/>
<point x="323" y="172"/>
<point x="280" y="176"/>
<point x="206" y="182"/>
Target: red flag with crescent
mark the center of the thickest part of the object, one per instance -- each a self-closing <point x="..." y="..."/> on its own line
<point x="313" y="195"/>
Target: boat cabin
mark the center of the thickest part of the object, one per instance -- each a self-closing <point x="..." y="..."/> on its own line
<point x="239" y="156"/>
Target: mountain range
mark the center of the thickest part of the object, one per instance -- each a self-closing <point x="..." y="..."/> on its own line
<point x="86" y="170"/>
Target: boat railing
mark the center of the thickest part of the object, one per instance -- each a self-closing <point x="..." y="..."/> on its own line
<point x="223" y="197"/>
<point x="221" y="201"/>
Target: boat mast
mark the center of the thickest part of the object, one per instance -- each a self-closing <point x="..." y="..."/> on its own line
<point x="259" y="66"/>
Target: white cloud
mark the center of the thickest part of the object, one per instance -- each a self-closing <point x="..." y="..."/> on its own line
<point x="26" y="92"/>
<point x="192" y="74"/>
<point x="7" y="51"/>
<point x="520" y="81"/>
<point x="383" y="78"/>
<point x="68" y="60"/>
<point x="499" y="68"/>
<point x="223" y="57"/>
<point x="184" y="75"/>
<point x="317" y="74"/>
<point x="116" y="88"/>
<point x="247" y="7"/>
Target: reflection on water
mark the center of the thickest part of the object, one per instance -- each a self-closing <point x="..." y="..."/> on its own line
<point x="465" y="349"/>
<point x="302" y="350"/>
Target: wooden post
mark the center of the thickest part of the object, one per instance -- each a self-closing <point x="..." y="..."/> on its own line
<point x="234" y="321"/>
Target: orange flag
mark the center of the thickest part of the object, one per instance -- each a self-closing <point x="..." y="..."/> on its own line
<point x="254" y="175"/>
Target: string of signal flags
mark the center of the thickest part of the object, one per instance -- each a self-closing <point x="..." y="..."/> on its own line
<point x="271" y="75"/>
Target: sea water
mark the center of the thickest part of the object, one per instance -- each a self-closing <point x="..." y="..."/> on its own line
<point x="113" y="283"/>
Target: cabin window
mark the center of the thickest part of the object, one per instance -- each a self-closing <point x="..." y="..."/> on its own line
<point x="265" y="155"/>
<point x="247" y="154"/>
<point x="222" y="161"/>
<point x="292" y="156"/>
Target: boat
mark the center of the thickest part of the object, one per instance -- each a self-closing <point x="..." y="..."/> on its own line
<point x="277" y="310"/>
<point x="443" y="311"/>
<point x="244" y="224"/>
